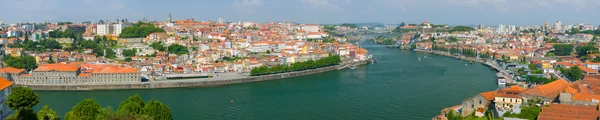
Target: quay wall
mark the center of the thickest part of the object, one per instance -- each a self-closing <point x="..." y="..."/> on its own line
<point x="183" y="83"/>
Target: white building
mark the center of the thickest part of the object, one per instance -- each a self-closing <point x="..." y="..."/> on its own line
<point x="111" y="29"/>
<point x="311" y="27"/>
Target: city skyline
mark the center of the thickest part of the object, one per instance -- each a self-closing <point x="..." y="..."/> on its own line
<point x="452" y="12"/>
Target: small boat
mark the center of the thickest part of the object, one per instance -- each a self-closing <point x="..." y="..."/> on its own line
<point x="231" y="101"/>
<point x="424" y="56"/>
<point x="389" y="81"/>
<point x="419" y="59"/>
<point x="352" y="67"/>
<point x="466" y="65"/>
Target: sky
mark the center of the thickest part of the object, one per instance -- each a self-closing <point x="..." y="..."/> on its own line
<point x="452" y="12"/>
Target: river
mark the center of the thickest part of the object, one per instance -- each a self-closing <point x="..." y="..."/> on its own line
<point x="418" y="90"/>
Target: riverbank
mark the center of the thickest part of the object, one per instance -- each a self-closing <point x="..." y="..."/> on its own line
<point x="187" y="83"/>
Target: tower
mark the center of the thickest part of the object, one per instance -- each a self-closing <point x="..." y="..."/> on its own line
<point x="170" y="20"/>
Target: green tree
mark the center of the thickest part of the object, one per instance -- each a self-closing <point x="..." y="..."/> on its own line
<point x="177" y="49"/>
<point x="563" y="49"/>
<point x="87" y="109"/>
<point x="47" y="114"/>
<point x="23" y="114"/>
<point x="586" y="49"/>
<point x="110" y="53"/>
<point x="128" y="59"/>
<point x="157" y="110"/>
<point x="158" y="46"/>
<point x="21" y="98"/>
<point x="576" y="73"/>
<point x="129" y="52"/>
<point x="24" y="61"/>
<point x="133" y="105"/>
<point x="140" y="29"/>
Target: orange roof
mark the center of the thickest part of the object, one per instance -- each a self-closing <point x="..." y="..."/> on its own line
<point x="568" y="112"/>
<point x="57" y="67"/>
<point x="585" y="97"/>
<point x="587" y="70"/>
<point x="548" y="90"/>
<point x="4" y="83"/>
<point x="12" y="70"/>
<point x="489" y="95"/>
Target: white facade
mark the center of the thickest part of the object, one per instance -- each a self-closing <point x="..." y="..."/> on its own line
<point x="110" y="29"/>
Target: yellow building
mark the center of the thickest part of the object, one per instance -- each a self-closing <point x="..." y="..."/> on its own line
<point x="513" y="57"/>
<point x="15" y="52"/>
<point x="506" y="99"/>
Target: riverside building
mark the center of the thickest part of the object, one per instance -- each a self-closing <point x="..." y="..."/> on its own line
<point x="75" y="74"/>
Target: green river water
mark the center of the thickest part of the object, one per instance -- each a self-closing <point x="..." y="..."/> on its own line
<point x="418" y="90"/>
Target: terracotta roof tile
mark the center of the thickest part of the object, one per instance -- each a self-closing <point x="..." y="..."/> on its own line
<point x="4" y="83"/>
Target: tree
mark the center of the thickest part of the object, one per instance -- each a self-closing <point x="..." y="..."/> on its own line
<point x="23" y="114"/>
<point x="452" y="39"/>
<point x="158" y="46"/>
<point x="133" y="105"/>
<point x="128" y="59"/>
<point x="140" y="29"/>
<point x="21" y="98"/>
<point x="586" y="49"/>
<point x="157" y="110"/>
<point x="576" y="73"/>
<point x="87" y="109"/>
<point x="110" y="53"/>
<point x="563" y="49"/>
<point x="47" y="114"/>
<point x="24" y="62"/>
<point x="129" y="52"/>
<point x="268" y="51"/>
<point x="177" y="49"/>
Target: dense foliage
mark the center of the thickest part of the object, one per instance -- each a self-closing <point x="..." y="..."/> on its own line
<point x="460" y="29"/>
<point x="140" y="29"/>
<point x="129" y="52"/>
<point x="133" y="108"/>
<point x="47" y="114"/>
<point x="586" y="49"/>
<point x="22" y="100"/>
<point x="528" y="111"/>
<point x="349" y="25"/>
<point x="563" y="49"/>
<point x="573" y="73"/>
<point x="323" y="62"/>
<point x="21" y="97"/>
<point x="178" y="49"/>
<point x="538" y="79"/>
<point x="40" y="46"/>
<point x="158" y="46"/>
<point x="22" y="62"/>
<point x="62" y="34"/>
<point x="384" y="40"/>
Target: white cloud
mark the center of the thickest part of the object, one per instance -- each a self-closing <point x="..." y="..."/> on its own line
<point x="322" y="3"/>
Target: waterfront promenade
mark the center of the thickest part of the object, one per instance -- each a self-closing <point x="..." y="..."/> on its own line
<point x="221" y="79"/>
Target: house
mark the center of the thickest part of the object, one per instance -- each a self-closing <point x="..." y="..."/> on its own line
<point x="478" y="104"/>
<point x="547" y="93"/>
<point x="507" y="99"/>
<point x="5" y="89"/>
<point x="588" y="71"/>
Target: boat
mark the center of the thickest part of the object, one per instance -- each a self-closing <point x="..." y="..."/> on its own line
<point x="424" y="56"/>
<point x="352" y="67"/>
<point x="419" y="59"/>
<point x="466" y="65"/>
